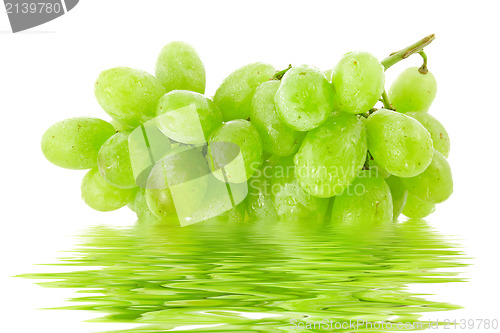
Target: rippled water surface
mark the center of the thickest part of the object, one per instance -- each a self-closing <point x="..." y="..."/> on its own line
<point x="257" y="277"/>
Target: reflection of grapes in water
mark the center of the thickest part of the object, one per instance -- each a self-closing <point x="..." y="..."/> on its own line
<point x="164" y="277"/>
<point x="326" y="126"/>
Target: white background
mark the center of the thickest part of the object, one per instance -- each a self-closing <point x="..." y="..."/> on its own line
<point x="47" y="74"/>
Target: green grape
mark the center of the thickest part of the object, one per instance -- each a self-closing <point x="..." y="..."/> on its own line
<point x="416" y="208"/>
<point x="328" y="74"/>
<point x="131" y="205"/>
<point x="259" y="200"/>
<point x="304" y="99"/>
<point x="187" y="116"/>
<point x="377" y="169"/>
<point x="277" y="138"/>
<point x="113" y="161"/>
<point x="331" y="155"/>
<point x="367" y="200"/>
<point x="179" y="68"/>
<point x="141" y="207"/>
<point x="128" y="95"/>
<point x="101" y="195"/>
<point x="435" y="184"/>
<point x="232" y="138"/>
<point x="398" y="193"/>
<point x="413" y="91"/>
<point x="176" y="185"/>
<point x="358" y="81"/>
<point x="74" y="143"/>
<point x="439" y="136"/>
<point x="290" y="200"/>
<point x="398" y="143"/>
<point x="160" y="203"/>
<point x="234" y="96"/>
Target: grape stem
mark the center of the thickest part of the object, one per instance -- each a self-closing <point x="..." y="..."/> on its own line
<point x="279" y="74"/>
<point x="423" y="69"/>
<point x="396" y="57"/>
<point x="387" y="103"/>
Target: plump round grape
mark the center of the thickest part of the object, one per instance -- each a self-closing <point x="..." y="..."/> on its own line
<point x="259" y="201"/>
<point x="331" y="155"/>
<point x="435" y="184"/>
<point x="232" y="138"/>
<point x="413" y="91"/>
<point x="234" y="96"/>
<point x="290" y="200"/>
<point x="128" y="95"/>
<point x="416" y="208"/>
<point x="398" y="143"/>
<point x="141" y="208"/>
<point x="277" y="138"/>
<point x="179" y="68"/>
<point x="181" y="174"/>
<point x="101" y="195"/>
<point x="439" y="136"/>
<point x="358" y="81"/>
<point x="398" y="193"/>
<point x="304" y="99"/>
<point x="113" y="161"/>
<point x="160" y="203"/>
<point x="74" y="143"/>
<point x="367" y="200"/>
<point x="187" y="116"/>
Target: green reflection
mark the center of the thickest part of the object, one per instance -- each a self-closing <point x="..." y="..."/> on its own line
<point x="217" y="273"/>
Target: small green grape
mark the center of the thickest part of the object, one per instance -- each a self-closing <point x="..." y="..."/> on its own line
<point x="435" y="184"/>
<point x="259" y="200"/>
<point x="290" y="200"/>
<point x="416" y="208"/>
<point x="398" y="143"/>
<point x="101" y="195"/>
<point x="187" y="116"/>
<point x="277" y="138"/>
<point x="141" y="207"/>
<point x="331" y="155"/>
<point x="179" y="68"/>
<point x="358" y="81"/>
<point x="128" y="95"/>
<point x="413" y="91"/>
<point x="113" y="161"/>
<point x="74" y="143"/>
<point x="181" y="172"/>
<point x="304" y="99"/>
<point x="439" y="136"/>
<point x="367" y="200"/>
<point x="227" y="142"/>
<point x="398" y="193"/>
<point x="234" y="96"/>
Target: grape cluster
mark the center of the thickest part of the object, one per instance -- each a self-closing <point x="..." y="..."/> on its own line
<point x="312" y="144"/>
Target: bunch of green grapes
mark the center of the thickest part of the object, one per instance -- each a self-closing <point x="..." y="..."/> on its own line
<point x="296" y="144"/>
